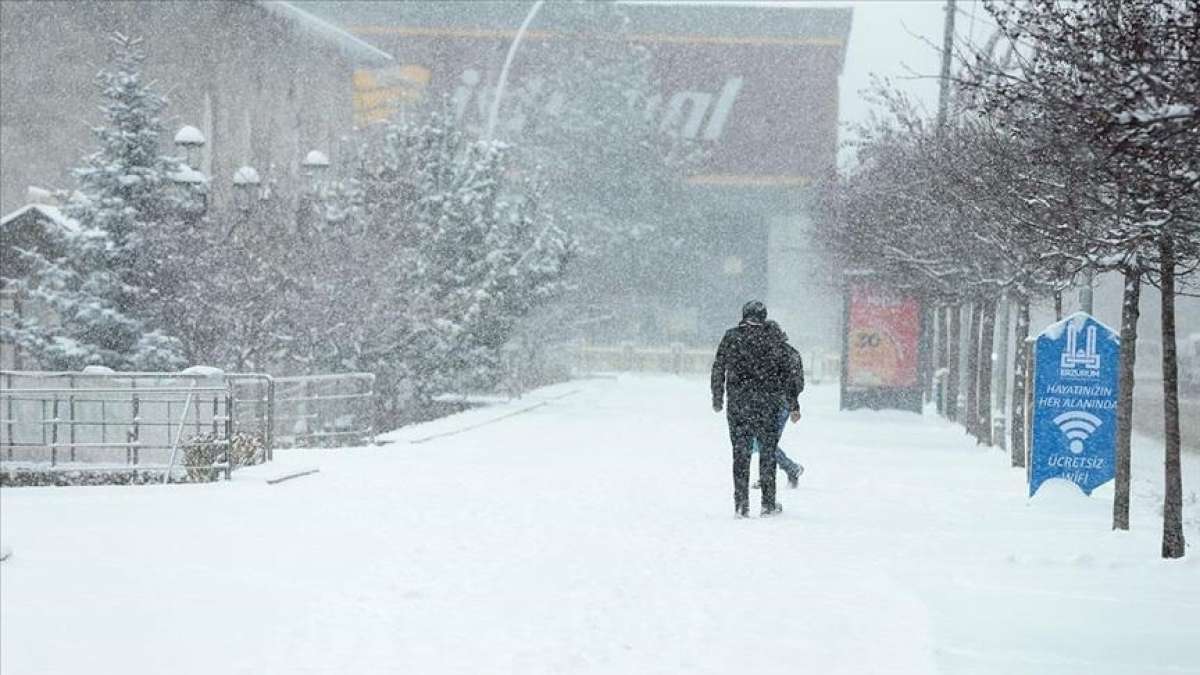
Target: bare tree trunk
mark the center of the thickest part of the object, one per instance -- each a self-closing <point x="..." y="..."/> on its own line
<point x="971" y="419"/>
<point x="1087" y="294"/>
<point x="925" y="355"/>
<point x="1172" y="541"/>
<point x="954" y="318"/>
<point x="1058" y="305"/>
<point x="941" y="319"/>
<point x="1020" y="374"/>
<point x="987" y="340"/>
<point x="1000" y="377"/>
<point x="1129" y="328"/>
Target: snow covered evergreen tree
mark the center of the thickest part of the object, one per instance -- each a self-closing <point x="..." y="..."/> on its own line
<point x="428" y="258"/>
<point x="101" y="293"/>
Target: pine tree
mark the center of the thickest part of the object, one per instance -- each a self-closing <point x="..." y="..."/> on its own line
<point x="427" y="258"/>
<point x="101" y="292"/>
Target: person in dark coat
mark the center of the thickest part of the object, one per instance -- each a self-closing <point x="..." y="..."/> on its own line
<point x="792" y="468"/>
<point x="753" y="373"/>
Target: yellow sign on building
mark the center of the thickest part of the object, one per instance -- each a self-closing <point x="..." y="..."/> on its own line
<point x="381" y="94"/>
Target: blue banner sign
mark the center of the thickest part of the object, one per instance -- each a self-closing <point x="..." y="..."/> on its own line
<point x="1074" y="404"/>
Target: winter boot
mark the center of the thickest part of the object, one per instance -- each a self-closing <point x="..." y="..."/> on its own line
<point x="770" y="511"/>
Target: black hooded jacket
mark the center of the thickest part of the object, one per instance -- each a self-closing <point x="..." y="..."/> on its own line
<point x="757" y="367"/>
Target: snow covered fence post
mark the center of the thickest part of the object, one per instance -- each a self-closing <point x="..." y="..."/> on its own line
<point x="71" y="417"/>
<point x="8" y="413"/>
<point x="269" y="434"/>
<point x="187" y="404"/>
<point x="228" y="433"/>
<point x="134" y="435"/>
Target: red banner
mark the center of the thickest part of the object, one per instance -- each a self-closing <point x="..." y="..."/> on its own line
<point x="882" y="338"/>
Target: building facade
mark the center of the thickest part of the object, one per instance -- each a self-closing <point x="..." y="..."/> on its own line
<point x="757" y="86"/>
<point x="265" y="82"/>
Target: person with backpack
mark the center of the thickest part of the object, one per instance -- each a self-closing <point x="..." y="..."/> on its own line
<point x="752" y="378"/>
<point x="792" y="468"/>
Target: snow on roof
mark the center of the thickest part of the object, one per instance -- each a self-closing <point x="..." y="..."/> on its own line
<point x="189" y="135"/>
<point x="38" y="195"/>
<point x="48" y="213"/>
<point x="349" y="45"/>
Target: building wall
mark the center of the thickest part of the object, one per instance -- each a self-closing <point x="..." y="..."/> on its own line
<point x="262" y="93"/>
<point x="757" y="87"/>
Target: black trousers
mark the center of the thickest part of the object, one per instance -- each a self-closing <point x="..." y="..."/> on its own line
<point x="747" y="423"/>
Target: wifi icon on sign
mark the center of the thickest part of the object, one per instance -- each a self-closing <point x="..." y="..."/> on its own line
<point x="1077" y="426"/>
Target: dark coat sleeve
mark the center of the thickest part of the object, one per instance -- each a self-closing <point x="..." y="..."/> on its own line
<point x="798" y="368"/>
<point x="717" y="381"/>
<point x="795" y="377"/>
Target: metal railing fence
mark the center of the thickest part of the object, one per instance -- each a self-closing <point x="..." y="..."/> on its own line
<point x="324" y="410"/>
<point x="110" y="421"/>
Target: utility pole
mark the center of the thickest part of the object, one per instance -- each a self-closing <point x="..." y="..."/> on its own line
<point x="933" y="315"/>
<point x="947" y="50"/>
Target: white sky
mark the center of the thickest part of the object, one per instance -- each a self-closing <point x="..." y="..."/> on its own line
<point x="889" y="38"/>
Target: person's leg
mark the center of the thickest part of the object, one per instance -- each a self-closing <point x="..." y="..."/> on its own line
<point x="792" y="469"/>
<point x="740" y="438"/>
<point x="765" y="431"/>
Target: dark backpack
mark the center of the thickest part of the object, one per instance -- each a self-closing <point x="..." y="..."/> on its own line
<point x="796" y="365"/>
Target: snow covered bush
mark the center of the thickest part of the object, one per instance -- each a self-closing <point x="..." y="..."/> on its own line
<point x="206" y="450"/>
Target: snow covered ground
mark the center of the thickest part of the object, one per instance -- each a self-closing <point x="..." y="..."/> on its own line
<point x="588" y="528"/>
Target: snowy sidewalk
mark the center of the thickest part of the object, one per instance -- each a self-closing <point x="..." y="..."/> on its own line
<point x="592" y="531"/>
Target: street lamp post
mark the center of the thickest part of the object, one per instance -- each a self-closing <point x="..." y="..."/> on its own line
<point x="508" y="59"/>
<point x="248" y="186"/>
<point x="315" y="163"/>
<point x="190" y="185"/>
<point x="245" y="187"/>
<point x="191" y="141"/>
<point x="315" y="166"/>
